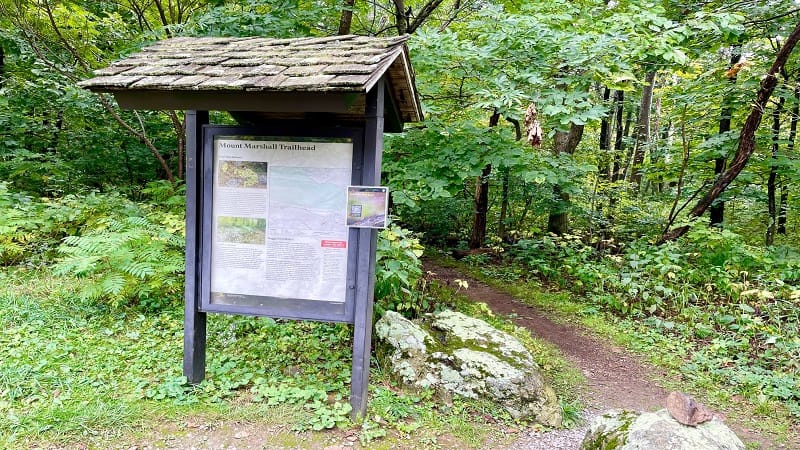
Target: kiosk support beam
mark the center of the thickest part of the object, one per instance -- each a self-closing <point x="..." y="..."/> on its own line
<point x="367" y="243"/>
<point x="194" y="321"/>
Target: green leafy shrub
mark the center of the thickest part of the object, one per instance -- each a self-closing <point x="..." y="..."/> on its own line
<point x="132" y="255"/>
<point x="398" y="270"/>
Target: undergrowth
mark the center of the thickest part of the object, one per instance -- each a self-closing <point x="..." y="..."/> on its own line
<point x="722" y="313"/>
<point x="92" y="330"/>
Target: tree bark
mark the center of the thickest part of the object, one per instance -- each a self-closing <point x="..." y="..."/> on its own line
<point x="747" y="143"/>
<point x="604" y="145"/>
<point x="563" y="142"/>
<point x="619" y="142"/>
<point x="2" y="66"/>
<point x="772" y="210"/>
<point x="643" y="129"/>
<point x="478" y="235"/>
<point x="784" y="205"/>
<point x="628" y="155"/>
<point x="164" y="21"/>
<point x="481" y="199"/>
<point x="346" y="19"/>
<point x="502" y="228"/>
<point x="717" y="209"/>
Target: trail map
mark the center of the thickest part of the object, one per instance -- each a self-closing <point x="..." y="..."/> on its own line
<point x="278" y="228"/>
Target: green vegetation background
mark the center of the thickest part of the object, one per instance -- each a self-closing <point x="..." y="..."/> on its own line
<point x="92" y="219"/>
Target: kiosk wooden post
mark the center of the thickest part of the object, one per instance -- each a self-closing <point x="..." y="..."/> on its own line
<point x="194" y="322"/>
<point x="367" y="240"/>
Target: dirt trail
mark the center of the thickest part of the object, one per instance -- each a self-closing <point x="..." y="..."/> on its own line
<point x="614" y="377"/>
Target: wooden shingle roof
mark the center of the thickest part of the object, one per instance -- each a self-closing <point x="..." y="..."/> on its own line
<point x="253" y="73"/>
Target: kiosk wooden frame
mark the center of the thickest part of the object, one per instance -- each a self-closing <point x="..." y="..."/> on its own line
<point x="333" y="86"/>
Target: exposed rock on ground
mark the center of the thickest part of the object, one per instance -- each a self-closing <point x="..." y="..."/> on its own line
<point x="455" y="354"/>
<point x="625" y="430"/>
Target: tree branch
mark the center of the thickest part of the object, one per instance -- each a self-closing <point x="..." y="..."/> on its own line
<point x="747" y="144"/>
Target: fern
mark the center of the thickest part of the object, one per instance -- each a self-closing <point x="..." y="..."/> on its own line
<point x="129" y="260"/>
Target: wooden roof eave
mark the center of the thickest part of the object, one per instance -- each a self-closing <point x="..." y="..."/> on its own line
<point x="231" y="100"/>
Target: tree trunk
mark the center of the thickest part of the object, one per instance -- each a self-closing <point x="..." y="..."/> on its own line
<point x="502" y="228"/>
<point x="629" y="154"/>
<point x="478" y="235"/>
<point x="346" y="19"/>
<point x="619" y="142"/>
<point x="563" y="142"/>
<point x="772" y="210"/>
<point x="784" y="205"/>
<point x="643" y="129"/>
<point x="2" y="66"/>
<point x="717" y="209"/>
<point x="481" y="199"/>
<point x="558" y="219"/>
<point x="747" y="142"/>
<point x="603" y="169"/>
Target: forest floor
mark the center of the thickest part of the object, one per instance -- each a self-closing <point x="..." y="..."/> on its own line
<point x="615" y="378"/>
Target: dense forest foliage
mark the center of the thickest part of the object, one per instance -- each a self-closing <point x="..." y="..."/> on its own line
<point x="642" y="154"/>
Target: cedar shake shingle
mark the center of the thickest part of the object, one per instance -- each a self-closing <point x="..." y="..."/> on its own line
<point x="342" y="64"/>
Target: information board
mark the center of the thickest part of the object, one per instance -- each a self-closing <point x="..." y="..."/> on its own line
<point x="277" y="223"/>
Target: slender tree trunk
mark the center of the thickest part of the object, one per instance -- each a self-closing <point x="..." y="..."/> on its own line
<point x="747" y="142"/>
<point x="478" y="235"/>
<point x="162" y="15"/>
<point x="558" y="219"/>
<point x="502" y="228"/>
<point x="563" y="142"/>
<point x="717" y="209"/>
<point x="657" y="135"/>
<point x="481" y="199"/>
<point x="2" y="66"/>
<point x="346" y="19"/>
<point x="643" y="129"/>
<point x="784" y="205"/>
<point x="603" y="169"/>
<point x="772" y="210"/>
<point x="619" y="141"/>
<point x="629" y="153"/>
<point x="401" y="17"/>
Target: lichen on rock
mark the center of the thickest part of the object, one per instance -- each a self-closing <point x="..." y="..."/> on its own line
<point x="625" y="430"/>
<point x="455" y="354"/>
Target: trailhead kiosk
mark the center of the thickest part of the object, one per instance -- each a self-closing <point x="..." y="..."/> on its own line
<point x="282" y="209"/>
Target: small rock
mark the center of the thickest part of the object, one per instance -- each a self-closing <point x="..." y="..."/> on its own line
<point x="241" y="435"/>
<point x="686" y="410"/>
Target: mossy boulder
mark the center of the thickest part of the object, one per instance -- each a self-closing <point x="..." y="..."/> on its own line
<point x="455" y="354"/>
<point x="625" y="430"/>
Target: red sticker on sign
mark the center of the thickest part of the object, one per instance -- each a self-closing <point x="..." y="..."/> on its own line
<point x="334" y="244"/>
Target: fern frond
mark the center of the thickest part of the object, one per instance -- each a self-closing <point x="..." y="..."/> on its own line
<point x="112" y="284"/>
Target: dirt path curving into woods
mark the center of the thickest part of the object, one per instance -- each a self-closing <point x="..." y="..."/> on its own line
<point x="615" y="378"/>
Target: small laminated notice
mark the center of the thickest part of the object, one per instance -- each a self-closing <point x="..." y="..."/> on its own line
<point x="367" y="206"/>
